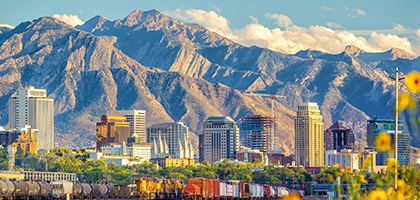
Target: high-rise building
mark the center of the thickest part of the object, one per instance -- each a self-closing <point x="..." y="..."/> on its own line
<point x="112" y="129"/>
<point x="220" y="138"/>
<point x="377" y="126"/>
<point x="32" y="107"/>
<point x="255" y="131"/>
<point x="338" y="137"/>
<point x="170" y="139"/>
<point x="309" y="136"/>
<point x="137" y="119"/>
<point x="7" y="137"/>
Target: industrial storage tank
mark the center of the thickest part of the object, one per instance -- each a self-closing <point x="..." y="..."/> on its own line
<point x="77" y="190"/>
<point x="87" y="189"/>
<point x="33" y="188"/>
<point x="6" y="188"/>
<point x="111" y="191"/>
<point x="45" y="189"/>
<point x="21" y="188"/>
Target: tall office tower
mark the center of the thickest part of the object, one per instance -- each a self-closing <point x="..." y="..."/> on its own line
<point x="220" y="138"/>
<point x="137" y="119"/>
<point x="32" y="107"/>
<point x="170" y="139"/>
<point x="255" y="131"/>
<point x="338" y="137"/>
<point x="309" y="136"/>
<point x="376" y="126"/>
<point x="112" y="129"/>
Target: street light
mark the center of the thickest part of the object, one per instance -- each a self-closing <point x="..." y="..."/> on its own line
<point x="396" y="79"/>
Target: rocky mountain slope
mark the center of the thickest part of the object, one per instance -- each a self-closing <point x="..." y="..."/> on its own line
<point x="183" y="72"/>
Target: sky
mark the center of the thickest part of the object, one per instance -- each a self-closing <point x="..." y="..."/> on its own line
<point x="279" y="25"/>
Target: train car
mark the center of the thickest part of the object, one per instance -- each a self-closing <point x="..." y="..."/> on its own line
<point x="222" y="189"/>
<point x="33" y="188"/>
<point x="111" y="191"/>
<point x="126" y="191"/>
<point x="99" y="190"/>
<point x="61" y="189"/>
<point x="172" y="189"/>
<point x="77" y="191"/>
<point x="21" y="189"/>
<point x="44" y="189"/>
<point x="148" y="188"/>
<point x="7" y="188"/>
<point x="202" y="183"/>
<point x="256" y="191"/>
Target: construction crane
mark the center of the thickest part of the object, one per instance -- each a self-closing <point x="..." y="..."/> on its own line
<point x="272" y="96"/>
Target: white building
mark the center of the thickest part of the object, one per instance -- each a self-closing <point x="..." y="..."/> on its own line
<point x="32" y="107"/>
<point x="123" y="154"/>
<point x="170" y="139"/>
<point x="344" y="157"/>
<point x="137" y="119"/>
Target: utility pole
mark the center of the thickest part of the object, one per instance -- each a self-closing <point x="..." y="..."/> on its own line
<point x="396" y="79"/>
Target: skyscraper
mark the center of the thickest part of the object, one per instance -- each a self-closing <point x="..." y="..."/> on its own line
<point x="112" y="129"/>
<point x="338" y="137"/>
<point x="376" y="126"/>
<point x="220" y="138"/>
<point x="170" y="139"/>
<point x="32" y="107"/>
<point x="309" y="136"/>
<point x="137" y="119"/>
<point x="255" y="131"/>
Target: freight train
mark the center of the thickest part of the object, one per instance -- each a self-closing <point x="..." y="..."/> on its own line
<point x="145" y="188"/>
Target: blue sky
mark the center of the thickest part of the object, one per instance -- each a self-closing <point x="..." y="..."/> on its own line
<point x="280" y="25"/>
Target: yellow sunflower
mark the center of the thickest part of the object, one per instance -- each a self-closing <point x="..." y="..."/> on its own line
<point x="291" y="196"/>
<point x="406" y="101"/>
<point x="412" y="81"/>
<point x="392" y="164"/>
<point x="383" y="142"/>
<point x="377" y="194"/>
<point x="336" y="166"/>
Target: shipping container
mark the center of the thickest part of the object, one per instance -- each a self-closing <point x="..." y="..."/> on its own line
<point x="222" y="189"/>
<point x="7" y="188"/>
<point x="229" y="189"/>
<point x="235" y="188"/>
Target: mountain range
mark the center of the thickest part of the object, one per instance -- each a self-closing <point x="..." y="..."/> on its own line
<point x="178" y="71"/>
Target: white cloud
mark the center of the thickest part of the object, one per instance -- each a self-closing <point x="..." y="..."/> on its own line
<point x="399" y="28"/>
<point x="292" y="38"/>
<point x="7" y="26"/>
<point x="282" y="20"/>
<point x="209" y="19"/>
<point x="335" y="25"/>
<point x="69" y="19"/>
<point x="328" y="8"/>
<point x="254" y="19"/>
<point x="360" y="11"/>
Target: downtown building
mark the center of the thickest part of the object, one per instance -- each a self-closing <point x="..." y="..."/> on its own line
<point x="309" y="136"/>
<point x="256" y="131"/>
<point x="376" y="126"/>
<point x="31" y="106"/>
<point x="113" y="128"/>
<point x="137" y="120"/>
<point x="338" y="137"/>
<point x="170" y="140"/>
<point x="219" y="139"/>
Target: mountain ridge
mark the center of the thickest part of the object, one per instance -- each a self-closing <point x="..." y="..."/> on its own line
<point x="183" y="72"/>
